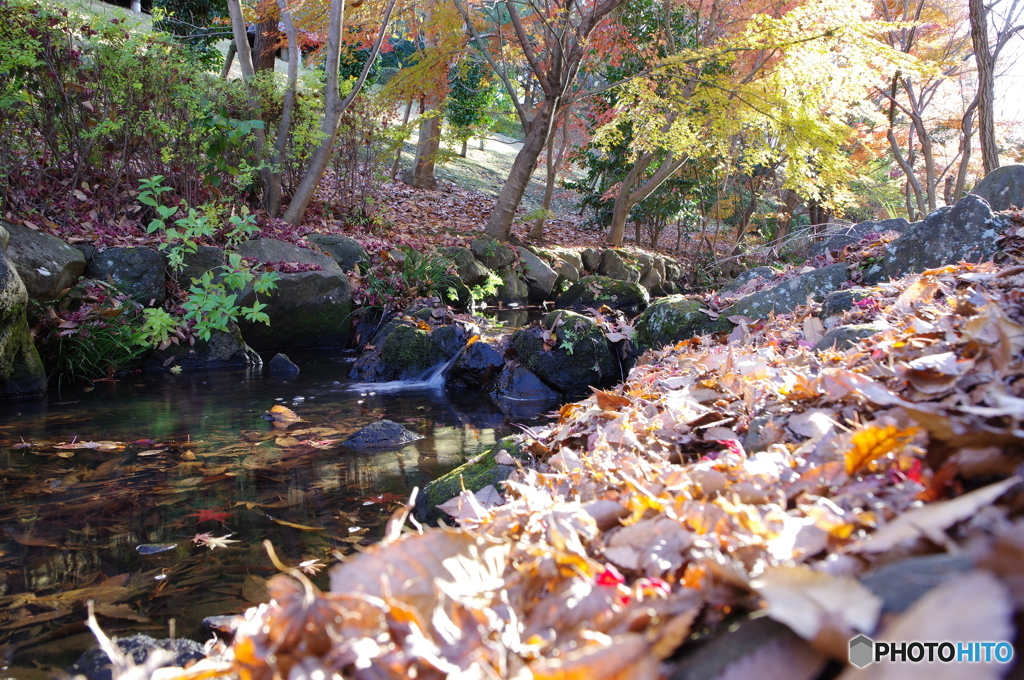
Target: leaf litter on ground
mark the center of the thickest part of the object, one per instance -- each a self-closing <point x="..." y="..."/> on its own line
<point x="721" y="479"/>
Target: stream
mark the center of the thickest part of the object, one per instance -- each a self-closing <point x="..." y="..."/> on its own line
<point x="106" y="491"/>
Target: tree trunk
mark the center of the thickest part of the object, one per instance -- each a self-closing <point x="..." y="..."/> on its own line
<point x="229" y="59"/>
<point x="554" y="163"/>
<point x="427" y="147"/>
<point x="465" y="147"/>
<point x="265" y="47"/>
<point x="398" y="153"/>
<point x="627" y="198"/>
<point x="986" y="82"/>
<point x="499" y="225"/>
<point x="967" y="131"/>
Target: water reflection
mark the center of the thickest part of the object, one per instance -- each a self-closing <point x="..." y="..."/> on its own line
<point x="71" y="518"/>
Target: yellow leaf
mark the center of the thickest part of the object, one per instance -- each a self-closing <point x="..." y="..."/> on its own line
<point x="873" y="442"/>
<point x="472" y="340"/>
<point x="424" y="326"/>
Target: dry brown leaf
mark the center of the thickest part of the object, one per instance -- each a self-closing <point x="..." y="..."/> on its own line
<point x="607" y="401"/>
<point x="823" y="609"/>
<point x="624" y="657"/>
<point x="933" y="519"/>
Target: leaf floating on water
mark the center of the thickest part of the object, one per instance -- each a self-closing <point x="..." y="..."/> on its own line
<point x="211" y="541"/>
<point x="154" y="548"/>
<point x="293" y="525"/>
<point x="281" y="416"/>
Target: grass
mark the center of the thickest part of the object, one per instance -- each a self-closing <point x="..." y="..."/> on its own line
<point x="104" y="11"/>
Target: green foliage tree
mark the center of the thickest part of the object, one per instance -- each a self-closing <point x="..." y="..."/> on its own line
<point x="470" y="98"/>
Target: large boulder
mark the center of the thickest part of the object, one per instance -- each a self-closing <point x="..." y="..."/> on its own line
<point x="224" y="349"/>
<point x="614" y="266"/>
<point x="594" y="291"/>
<point x="539" y="276"/>
<point x="743" y="278"/>
<point x="965" y="231"/>
<point x="591" y="259"/>
<point x="406" y="353"/>
<point x="841" y="236"/>
<point x="21" y="370"/>
<point x="570" y="353"/>
<point x="671" y="319"/>
<point x="198" y="263"/>
<point x="308" y="308"/>
<point x="512" y="290"/>
<point x="137" y="271"/>
<point x="347" y="252"/>
<point x="786" y="296"/>
<point x="492" y="252"/>
<point x="653" y="279"/>
<point x="478" y="472"/>
<point x="471" y="271"/>
<point x="46" y="264"/>
<point x="383" y="435"/>
<point x="477" y="363"/>
<point x="570" y="257"/>
<point x="520" y="394"/>
<point x="1003" y="188"/>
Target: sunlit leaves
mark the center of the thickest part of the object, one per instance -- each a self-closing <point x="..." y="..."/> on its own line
<point x="873" y="442"/>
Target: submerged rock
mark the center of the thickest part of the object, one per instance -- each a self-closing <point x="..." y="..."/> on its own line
<point x="224" y="349"/>
<point x="281" y="365"/>
<point x="95" y="664"/>
<point x="381" y="436"/>
<point x="476" y="365"/>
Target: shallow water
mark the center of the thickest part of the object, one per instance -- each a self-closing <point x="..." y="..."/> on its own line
<point x="142" y="457"/>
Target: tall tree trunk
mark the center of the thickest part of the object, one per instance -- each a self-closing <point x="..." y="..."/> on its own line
<point x="553" y="163"/>
<point x="626" y="199"/>
<point x="398" y="153"/>
<point x="265" y="46"/>
<point x="428" y="145"/>
<point x="465" y="147"/>
<point x="967" y="131"/>
<point x="986" y="82"/>
<point x="499" y="225"/>
<point x="273" y="201"/>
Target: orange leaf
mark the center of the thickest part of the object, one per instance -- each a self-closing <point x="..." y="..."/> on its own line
<point x="873" y="442"/>
<point x="424" y="326"/>
<point x="472" y="340"/>
<point x="607" y="401"/>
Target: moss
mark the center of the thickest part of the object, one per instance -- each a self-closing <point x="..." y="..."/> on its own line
<point x="675" y="318"/>
<point x="473" y="475"/>
<point x="323" y="326"/>
<point x="594" y="291"/>
<point x="579" y="358"/>
<point x="408" y="352"/>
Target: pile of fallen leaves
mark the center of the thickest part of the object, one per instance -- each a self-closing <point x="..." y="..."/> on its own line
<point x="719" y="479"/>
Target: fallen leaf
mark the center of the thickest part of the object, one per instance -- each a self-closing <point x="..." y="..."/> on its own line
<point x="872" y="442"/>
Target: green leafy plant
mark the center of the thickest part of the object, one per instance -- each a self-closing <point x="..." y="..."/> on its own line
<point x="91" y="332"/>
<point x="395" y="280"/>
<point x="224" y="135"/>
<point x="488" y="288"/>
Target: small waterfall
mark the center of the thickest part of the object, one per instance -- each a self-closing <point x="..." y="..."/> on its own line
<point x="431" y="379"/>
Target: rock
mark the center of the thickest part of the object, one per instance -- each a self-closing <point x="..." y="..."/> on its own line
<point x="903" y="582"/>
<point x="382" y="435"/>
<point x="45" y="263"/>
<point x="652" y="281"/>
<point x="451" y="338"/>
<point x="473" y="475"/>
<point x="476" y="364"/>
<point x="281" y="365"/>
<point x="591" y="259"/>
<point x="520" y="394"/>
<point x="5" y="236"/>
<point x="198" y="263"/>
<point x="966" y="231"/>
<point x="614" y="267"/>
<point x="788" y="295"/>
<point x="347" y="252"/>
<point x="672" y="271"/>
<point x="405" y="354"/>
<point x="578" y="358"/>
<point x="1003" y="188"/>
<point x="743" y="278"/>
<point x="21" y="371"/>
<point x="839" y="301"/>
<point x="95" y="664"/>
<point x="671" y="319"/>
<point x="137" y="271"/>
<point x="470" y="270"/>
<point x="844" y="337"/>
<point x="566" y="274"/>
<point x="492" y="252"/>
<point x="512" y="290"/>
<point x="644" y="261"/>
<point x="570" y="257"/>
<point x="540" y="278"/>
<point x="308" y="309"/>
<point x="594" y="291"/>
<point x="843" y="236"/>
<point x="224" y="349"/>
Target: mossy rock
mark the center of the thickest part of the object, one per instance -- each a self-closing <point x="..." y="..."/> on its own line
<point x="580" y="356"/>
<point x="786" y="296"/>
<point x="473" y="475"/>
<point x="404" y="354"/>
<point x="594" y="291"/>
<point x="674" y="318"/>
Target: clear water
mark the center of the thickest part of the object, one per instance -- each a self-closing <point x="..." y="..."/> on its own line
<point x="72" y="520"/>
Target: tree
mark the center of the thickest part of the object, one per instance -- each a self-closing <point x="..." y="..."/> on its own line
<point x="551" y="38"/>
<point x="986" y="57"/>
<point x="470" y="98"/>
